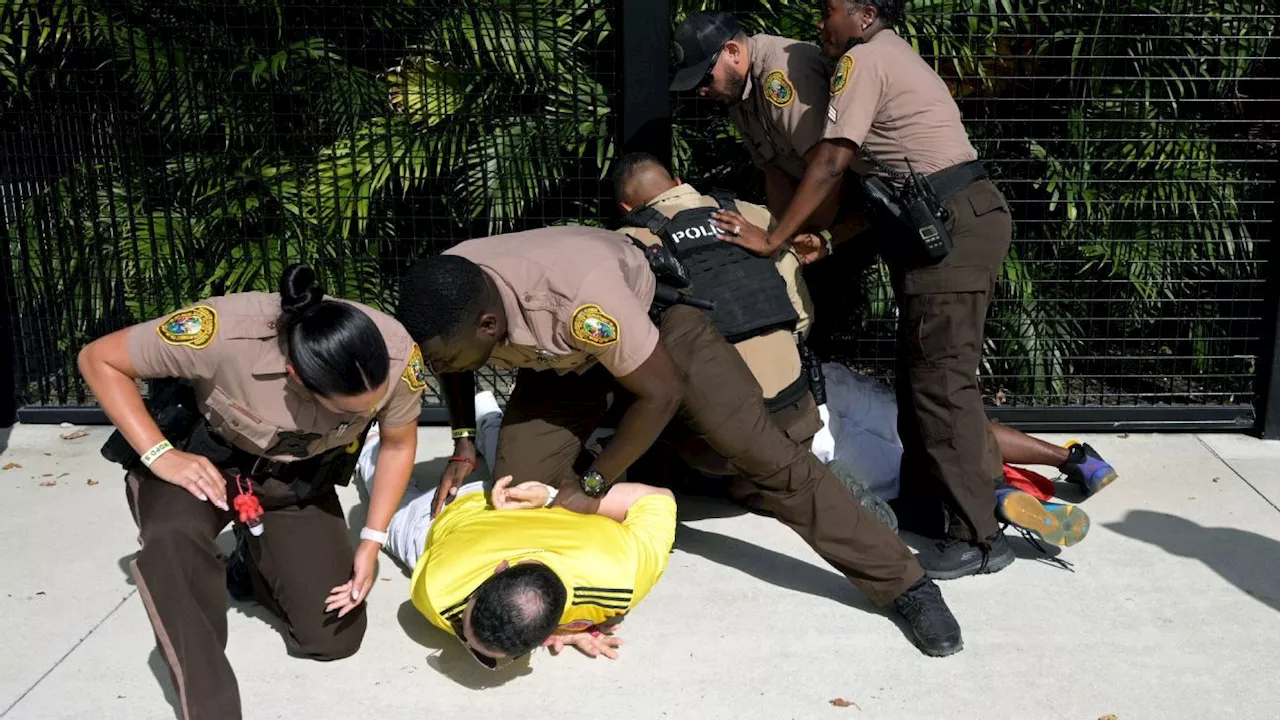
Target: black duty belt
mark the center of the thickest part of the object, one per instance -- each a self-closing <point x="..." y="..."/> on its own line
<point x="949" y="181"/>
<point x="256" y="466"/>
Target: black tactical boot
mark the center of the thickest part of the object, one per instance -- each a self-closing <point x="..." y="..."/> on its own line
<point x="239" y="585"/>
<point x="951" y="558"/>
<point x="935" y="629"/>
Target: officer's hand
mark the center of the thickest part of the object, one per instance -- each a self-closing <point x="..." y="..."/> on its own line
<point x="349" y="595"/>
<point x="589" y="643"/>
<point x="735" y="229"/>
<point x="572" y="498"/>
<point x="525" y="496"/>
<point x="193" y="472"/>
<point x="810" y="248"/>
<point x="454" y="474"/>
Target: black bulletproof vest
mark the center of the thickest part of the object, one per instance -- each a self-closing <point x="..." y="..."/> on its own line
<point x="750" y="295"/>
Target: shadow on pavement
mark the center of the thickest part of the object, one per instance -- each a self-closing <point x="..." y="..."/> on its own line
<point x="165" y="680"/>
<point x="450" y="658"/>
<point x="772" y="567"/>
<point x="1244" y="559"/>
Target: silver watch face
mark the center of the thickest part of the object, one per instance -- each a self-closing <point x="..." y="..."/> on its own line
<point x="593" y="483"/>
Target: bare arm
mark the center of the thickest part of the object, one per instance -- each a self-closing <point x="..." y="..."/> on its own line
<point x="396" y="451"/>
<point x="830" y="160"/>
<point x="108" y="370"/>
<point x="657" y="388"/>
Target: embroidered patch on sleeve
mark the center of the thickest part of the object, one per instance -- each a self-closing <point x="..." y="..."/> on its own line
<point x="193" y="327"/>
<point x="778" y="89"/>
<point x="591" y="324"/>
<point x="840" y="77"/>
<point x="415" y="373"/>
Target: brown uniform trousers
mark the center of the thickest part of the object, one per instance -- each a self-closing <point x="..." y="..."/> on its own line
<point x="948" y="454"/>
<point x="302" y="555"/>
<point x="550" y="416"/>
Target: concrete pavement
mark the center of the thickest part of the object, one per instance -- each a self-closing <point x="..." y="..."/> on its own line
<point x="1172" y="610"/>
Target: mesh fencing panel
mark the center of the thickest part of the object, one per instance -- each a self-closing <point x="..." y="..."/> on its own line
<point x="154" y="153"/>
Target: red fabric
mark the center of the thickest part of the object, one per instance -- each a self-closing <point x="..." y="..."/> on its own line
<point x="1029" y="482"/>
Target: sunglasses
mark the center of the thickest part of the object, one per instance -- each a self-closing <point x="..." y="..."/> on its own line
<point x="711" y="69"/>
<point x="488" y="663"/>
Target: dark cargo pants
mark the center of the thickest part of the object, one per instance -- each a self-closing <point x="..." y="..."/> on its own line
<point x="948" y="455"/>
<point x="550" y="416"/>
<point x="302" y="555"/>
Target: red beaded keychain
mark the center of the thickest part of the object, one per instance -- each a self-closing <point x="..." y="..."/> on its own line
<point x="247" y="505"/>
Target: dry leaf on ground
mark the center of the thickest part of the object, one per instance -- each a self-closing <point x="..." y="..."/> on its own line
<point x="75" y="435"/>
<point x="841" y="702"/>
<point x="91" y="481"/>
<point x="48" y="483"/>
<point x="1109" y="717"/>
<point x="10" y="466"/>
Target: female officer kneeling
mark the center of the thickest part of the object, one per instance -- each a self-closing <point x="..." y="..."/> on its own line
<point x="284" y="387"/>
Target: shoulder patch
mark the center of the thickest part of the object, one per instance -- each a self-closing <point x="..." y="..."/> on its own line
<point x="840" y="77"/>
<point x="778" y="89"/>
<point x="415" y="373"/>
<point x="591" y="324"/>
<point x="194" y="327"/>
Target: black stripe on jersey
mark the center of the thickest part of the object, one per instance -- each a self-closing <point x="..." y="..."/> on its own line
<point x="616" y="605"/>
<point x="615" y="591"/>
<point x="605" y="598"/>
<point x="457" y="607"/>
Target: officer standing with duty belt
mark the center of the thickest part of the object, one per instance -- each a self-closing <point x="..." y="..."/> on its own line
<point x="948" y="231"/>
<point x="268" y="400"/>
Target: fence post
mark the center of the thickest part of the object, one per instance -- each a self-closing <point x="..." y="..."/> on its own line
<point x="1268" y="402"/>
<point x="10" y="338"/>
<point x="644" y="66"/>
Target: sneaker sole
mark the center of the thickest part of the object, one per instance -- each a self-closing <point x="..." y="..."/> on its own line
<point x="1056" y="524"/>
<point x="1106" y="480"/>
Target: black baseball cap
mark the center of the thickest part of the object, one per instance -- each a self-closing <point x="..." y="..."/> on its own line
<point x="695" y="42"/>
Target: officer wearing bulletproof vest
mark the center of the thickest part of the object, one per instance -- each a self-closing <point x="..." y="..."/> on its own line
<point x="949" y="229"/>
<point x="761" y="305"/>
<point x="265" y="403"/>
<point x="776" y="90"/>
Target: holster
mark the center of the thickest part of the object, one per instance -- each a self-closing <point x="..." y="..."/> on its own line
<point x="308" y="478"/>
<point x="172" y="404"/>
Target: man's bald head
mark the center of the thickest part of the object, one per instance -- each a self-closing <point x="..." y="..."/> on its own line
<point x="638" y="179"/>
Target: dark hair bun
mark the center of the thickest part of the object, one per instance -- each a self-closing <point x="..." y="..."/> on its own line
<point x="299" y="291"/>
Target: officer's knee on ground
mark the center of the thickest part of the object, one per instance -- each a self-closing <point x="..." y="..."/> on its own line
<point x="333" y="638"/>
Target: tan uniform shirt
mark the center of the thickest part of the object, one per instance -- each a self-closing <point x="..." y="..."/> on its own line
<point x="784" y="102"/>
<point x="885" y="97"/>
<point x="228" y="348"/>
<point x="574" y="297"/>
<point x="772" y="357"/>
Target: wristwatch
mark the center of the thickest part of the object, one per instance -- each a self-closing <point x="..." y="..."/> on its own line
<point x="593" y="483"/>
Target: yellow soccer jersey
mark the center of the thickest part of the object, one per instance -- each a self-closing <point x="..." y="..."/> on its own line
<point x="607" y="567"/>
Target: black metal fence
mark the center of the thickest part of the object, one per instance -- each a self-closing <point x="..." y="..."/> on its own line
<point x="152" y="153"/>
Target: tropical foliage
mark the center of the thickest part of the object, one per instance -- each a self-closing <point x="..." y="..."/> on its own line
<point x="162" y="151"/>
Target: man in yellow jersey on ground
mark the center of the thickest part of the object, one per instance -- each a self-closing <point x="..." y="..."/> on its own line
<point x="505" y="574"/>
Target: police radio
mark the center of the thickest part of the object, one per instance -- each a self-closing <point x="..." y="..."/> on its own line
<point x="927" y="215"/>
<point x="914" y="204"/>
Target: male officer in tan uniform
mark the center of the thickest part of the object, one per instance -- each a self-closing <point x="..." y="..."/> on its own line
<point x="776" y="90"/>
<point x="570" y="307"/>
<point x="251" y="417"/>
<point x="886" y="100"/>
<point x="772" y="354"/>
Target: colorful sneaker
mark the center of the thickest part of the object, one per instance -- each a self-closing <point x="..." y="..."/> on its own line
<point x="1086" y="468"/>
<point x="1055" y="523"/>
